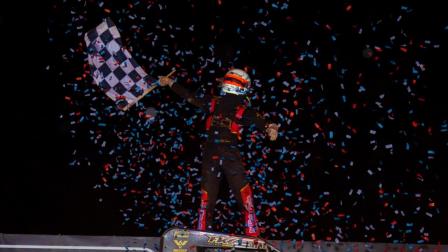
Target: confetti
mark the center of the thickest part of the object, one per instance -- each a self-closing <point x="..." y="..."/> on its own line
<point x="357" y="148"/>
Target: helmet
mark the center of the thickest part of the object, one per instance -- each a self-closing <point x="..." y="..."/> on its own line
<point x="236" y="81"/>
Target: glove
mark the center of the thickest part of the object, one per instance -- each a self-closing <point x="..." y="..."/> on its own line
<point x="165" y="81"/>
<point x="272" y="131"/>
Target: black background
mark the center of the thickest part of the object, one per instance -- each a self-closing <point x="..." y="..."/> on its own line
<point x="39" y="192"/>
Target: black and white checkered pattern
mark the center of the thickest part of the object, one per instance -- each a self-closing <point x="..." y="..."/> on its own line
<point x="112" y="66"/>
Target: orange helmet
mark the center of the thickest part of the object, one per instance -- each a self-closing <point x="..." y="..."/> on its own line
<point x="236" y="81"/>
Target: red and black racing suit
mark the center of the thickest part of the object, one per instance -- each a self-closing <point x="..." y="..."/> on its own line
<point x="221" y="156"/>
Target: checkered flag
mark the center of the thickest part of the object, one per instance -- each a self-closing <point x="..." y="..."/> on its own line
<point x="113" y="68"/>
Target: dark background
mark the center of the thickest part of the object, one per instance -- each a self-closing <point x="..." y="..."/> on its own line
<point x="41" y="193"/>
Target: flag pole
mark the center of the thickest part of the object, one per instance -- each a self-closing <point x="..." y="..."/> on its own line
<point x="147" y="91"/>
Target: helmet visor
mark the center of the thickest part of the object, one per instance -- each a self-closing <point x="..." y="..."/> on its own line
<point x="236" y="80"/>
